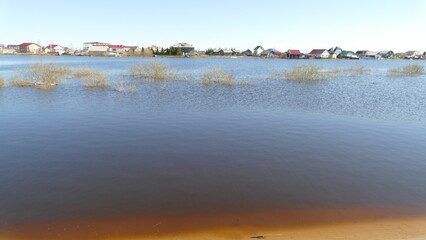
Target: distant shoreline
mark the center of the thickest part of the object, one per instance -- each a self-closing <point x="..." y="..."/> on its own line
<point x="203" y="56"/>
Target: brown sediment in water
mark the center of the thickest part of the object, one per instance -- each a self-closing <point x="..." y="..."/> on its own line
<point x="299" y="222"/>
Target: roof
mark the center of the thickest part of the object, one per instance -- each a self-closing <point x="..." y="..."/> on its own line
<point x="386" y="51"/>
<point x="258" y="47"/>
<point x="317" y="51"/>
<point x="27" y="44"/>
<point x="96" y="43"/>
<point x="179" y="45"/>
<point x="411" y="52"/>
<point x="116" y="46"/>
<point x="294" y="52"/>
<point x="361" y="51"/>
<point x="371" y="53"/>
<point x="345" y="53"/>
<point x="52" y="46"/>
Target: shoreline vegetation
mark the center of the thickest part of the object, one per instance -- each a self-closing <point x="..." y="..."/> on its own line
<point x="48" y="75"/>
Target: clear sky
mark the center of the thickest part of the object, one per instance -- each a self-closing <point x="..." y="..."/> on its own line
<point x="303" y="24"/>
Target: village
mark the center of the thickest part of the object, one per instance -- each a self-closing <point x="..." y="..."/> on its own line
<point x="188" y="50"/>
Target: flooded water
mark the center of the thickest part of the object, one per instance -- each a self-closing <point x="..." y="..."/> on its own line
<point x="209" y="156"/>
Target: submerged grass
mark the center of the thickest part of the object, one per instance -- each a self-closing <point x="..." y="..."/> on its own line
<point x="125" y="87"/>
<point x="1" y="81"/>
<point x="152" y="71"/>
<point x="39" y="75"/>
<point x="304" y="72"/>
<point x="408" y="70"/>
<point x="310" y="72"/>
<point x="216" y="76"/>
<point x="90" y="77"/>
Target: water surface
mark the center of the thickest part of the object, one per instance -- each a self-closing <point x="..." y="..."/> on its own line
<point x="181" y="149"/>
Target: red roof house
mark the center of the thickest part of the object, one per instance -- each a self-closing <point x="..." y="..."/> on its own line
<point x="293" y="53"/>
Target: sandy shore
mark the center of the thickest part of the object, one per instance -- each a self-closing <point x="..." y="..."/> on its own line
<point x="345" y="224"/>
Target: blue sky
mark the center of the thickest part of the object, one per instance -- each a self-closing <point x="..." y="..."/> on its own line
<point x="360" y="24"/>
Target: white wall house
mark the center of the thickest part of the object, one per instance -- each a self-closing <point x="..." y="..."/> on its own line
<point x="54" y="48"/>
<point x="258" y="50"/>
<point x="99" y="50"/>
<point x="29" y="48"/>
<point x="412" y="54"/>
<point x="319" y="53"/>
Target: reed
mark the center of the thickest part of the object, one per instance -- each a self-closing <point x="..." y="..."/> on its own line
<point x="152" y="71"/>
<point x="1" y="81"/>
<point x="407" y="70"/>
<point x="217" y="76"/>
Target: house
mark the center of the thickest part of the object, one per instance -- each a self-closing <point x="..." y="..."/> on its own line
<point x="155" y="48"/>
<point x="29" y="48"/>
<point x="293" y="54"/>
<point x="319" y="53"/>
<point x="10" y="49"/>
<point x="258" y="50"/>
<point x="226" y="52"/>
<point x="270" y="53"/>
<point x="54" y="49"/>
<point x="387" y="54"/>
<point x="371" y="55"/>
<point x="334" y="52"/>
<point x="87" y="45"/>
<point x="117" y="49"/>
<point x="235" y="52"/>
<point x="347" y="55"/>
<point x="98" y="50"/>
<point x="412" y="54"/>
<point x="361" y="53"/>
<point x="185" y="48"/>
<point x="247" y="52"/>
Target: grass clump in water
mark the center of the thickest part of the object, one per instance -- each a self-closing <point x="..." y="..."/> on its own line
<point x="125" y="87"/>
<point x="94" y="78"/>
<point x="1" y="81"/>
<point x="305" y="72"/>
<point x="91" y="78"/>
<point x="217" y="76"/>
<point x="152" y="71"/>
<point x="408" y="70"/>
<point x="40" y="75"/>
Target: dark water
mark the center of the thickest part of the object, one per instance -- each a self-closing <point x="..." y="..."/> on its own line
<point x="181" y="148"/>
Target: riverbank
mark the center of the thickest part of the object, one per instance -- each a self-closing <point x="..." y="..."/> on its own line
<point x="313" y="224"/>
<point x="201" y="56"/>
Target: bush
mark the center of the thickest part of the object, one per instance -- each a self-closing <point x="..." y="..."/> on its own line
<point x="217" y="76"/>
<point x="152" y="71"/>
<point x="408" y="70"/>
